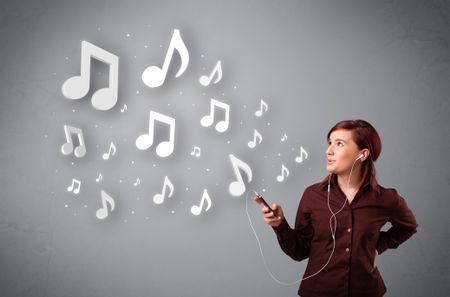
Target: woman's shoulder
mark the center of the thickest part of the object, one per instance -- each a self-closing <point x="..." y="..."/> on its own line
<point x="389" y="195"/>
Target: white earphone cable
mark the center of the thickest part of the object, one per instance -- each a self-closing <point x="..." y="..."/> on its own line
<point x="333" y="228"/>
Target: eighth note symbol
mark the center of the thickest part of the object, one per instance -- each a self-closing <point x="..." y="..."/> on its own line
<point x="138" y="182"/>
<point x="303" y="155"/>
<point x="196" y="152"/>
<point x="77" y="87"/>
<point x="263" y="105"/>
<point x="99" y="178"/>
<point x="205" y="80"/>
<point x="112" y="149"/>
<point x="164" y="148"/>
<point x="284" y="173"/>
<point x="208" y="120"/>
<point x="102" y="212"/>
<point x="67" y="148"/>
<point x="284" y="138"/>
<point x="197" y="209"/>
<point x="256" y="136"/>
<point x="74" y="187"/>
<point x="154" y="76"/>
<point x="237" y="188"/>
<point x="159" y="198"/>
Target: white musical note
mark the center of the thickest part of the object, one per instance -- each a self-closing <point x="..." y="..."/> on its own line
<point x="196" y="152"/>
<point x="67" y="148"/>
<point x="138" y="182"/>
<point x="237" y="188"/>
<point x="256" y="136"/>
<point x="74" y="187"/>
<point x="208" y="120"/>
<point x="99" y="178"/>
<point x="159" y="198"/>
<point x="112" y="149"/>
<point x="303" y="155"/>
<point x="102" y="212"/>
<point x="263" y="105"/>
<point x="165" y="148"/>
<point x="154" y="76"/>
<point x="125" y="107"/>
<point x="197" y="209"/>
<point x="284" y="173"/>
<point x="205" y="80"/>
<point x="284" y="138"/>
<point x="77" y="87"/>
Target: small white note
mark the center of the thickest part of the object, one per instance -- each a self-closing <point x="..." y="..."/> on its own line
<point x="68" y="147"/>
<point x="160" y="197"/>
<point x="77" y="87"/>
<point x="99" y="178"/>
<point x="74" y="187"/>
<point x="284" y="173"/>
<point x="154" y="76"/>
<point x="125" y="107"/>
<point x="164" y="148"/>
<point x="284" y="138"/>
<point x="208" y="120"/>
<point x="257" y="139"/>
<point x="303" y="155"/>
<point x="263" y="108"/>
<point x="111" y="151"/>
<point x="103" y="212"/>
<point x="138" y="182"/>
<point x="205" y="80"/>
<point x="237" y="188"/>
<point x="196" y="152"/>
<point x="197" y="209"/>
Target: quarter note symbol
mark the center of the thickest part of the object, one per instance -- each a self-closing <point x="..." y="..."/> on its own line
<point x="159" y="198"/>
<point x="205" y="80"/>
<point x="256" y="137"/>
<point x="237" y="188"/>
<point x="154" y="76"/>
<point x="208" y="120"/>
<point x="77" y="87"/>
<point x="263" y="105"/>
<point x="74" y="187"/>
<point x="164" y="148"/>
<point x="68" y="147"/>
<point x="102" y="212"/>
<point x="112" y="149"/>
<point x="196" y="152"/>
<point x="284" y="173"/>
<point x="303" y="155"/>
<point x="197" y="209"/>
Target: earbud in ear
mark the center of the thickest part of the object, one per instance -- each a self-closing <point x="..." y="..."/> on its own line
<point x="360" y="157"/>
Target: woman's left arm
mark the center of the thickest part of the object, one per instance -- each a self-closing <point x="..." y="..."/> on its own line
<point x="404" y="225"/>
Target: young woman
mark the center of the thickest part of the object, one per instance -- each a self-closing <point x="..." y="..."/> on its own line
<point x="339" y="220"/>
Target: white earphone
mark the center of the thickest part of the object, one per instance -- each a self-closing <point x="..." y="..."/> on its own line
<point x="360" y="157"/>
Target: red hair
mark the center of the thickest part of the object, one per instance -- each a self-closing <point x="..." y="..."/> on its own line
<point x="366" y="137"/>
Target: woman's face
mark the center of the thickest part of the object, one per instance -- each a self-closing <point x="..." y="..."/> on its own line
<point x="342" y="151"/>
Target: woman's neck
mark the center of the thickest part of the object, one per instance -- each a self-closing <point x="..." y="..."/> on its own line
<point x="350" y="187"/>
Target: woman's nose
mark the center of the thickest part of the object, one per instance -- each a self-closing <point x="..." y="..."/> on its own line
<point x="329" y="150"/>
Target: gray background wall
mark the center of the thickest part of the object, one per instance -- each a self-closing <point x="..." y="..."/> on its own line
<point x="313" y="62"/>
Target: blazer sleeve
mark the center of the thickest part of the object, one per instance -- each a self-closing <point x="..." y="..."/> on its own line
<point x="404" y="225"/>
<point x="296" y="242"/>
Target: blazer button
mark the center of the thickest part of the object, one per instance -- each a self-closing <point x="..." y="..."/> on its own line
<point x="347" y="250"/>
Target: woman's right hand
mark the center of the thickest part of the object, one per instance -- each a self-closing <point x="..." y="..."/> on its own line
<point x="274" y="218"/>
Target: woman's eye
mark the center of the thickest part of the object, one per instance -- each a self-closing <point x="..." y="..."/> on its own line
<point x="340" y="144"/>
